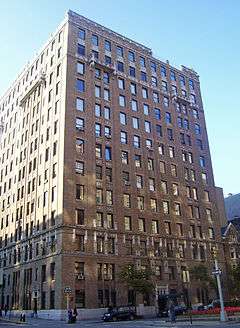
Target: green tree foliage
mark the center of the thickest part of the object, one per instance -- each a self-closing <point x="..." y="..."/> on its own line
<point x="137" y="279"/>
<point x="200" y="274"/>
<point x="234" y="281"/>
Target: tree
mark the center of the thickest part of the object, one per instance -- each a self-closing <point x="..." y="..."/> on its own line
<point x="139" y="280"/>
<point x="234" y="281"/>
<point x="200" y="274"/>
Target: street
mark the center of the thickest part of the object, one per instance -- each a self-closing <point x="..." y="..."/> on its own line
<point x="147" y="323"/>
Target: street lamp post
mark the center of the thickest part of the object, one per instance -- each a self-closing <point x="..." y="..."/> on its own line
<point x="217" y="272"/>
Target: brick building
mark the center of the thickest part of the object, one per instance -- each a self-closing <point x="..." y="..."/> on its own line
<point x="104" y="162"/>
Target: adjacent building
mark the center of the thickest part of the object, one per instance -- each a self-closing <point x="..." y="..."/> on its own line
<point x="104" y="162"/>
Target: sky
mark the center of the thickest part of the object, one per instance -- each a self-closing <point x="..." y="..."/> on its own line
<point x="203" y="35"/>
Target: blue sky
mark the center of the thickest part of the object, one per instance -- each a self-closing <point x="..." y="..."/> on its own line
<point x="202" y="34"/>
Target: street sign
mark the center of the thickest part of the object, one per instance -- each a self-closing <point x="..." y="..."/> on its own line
<point x="217" y="272"/>
<point x="67" y="290"/>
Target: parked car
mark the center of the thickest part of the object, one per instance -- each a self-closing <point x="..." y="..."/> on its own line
<point x="198" y="307"/>
<point x="120" y="313"/>
<point x="180" y="309"/>
<point x="214" y="304"/>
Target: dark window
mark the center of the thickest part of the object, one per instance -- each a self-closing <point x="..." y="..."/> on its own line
<point x="81" y="50"/>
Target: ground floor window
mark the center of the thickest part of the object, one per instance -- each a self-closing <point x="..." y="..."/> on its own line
<point x="80" y="298"/>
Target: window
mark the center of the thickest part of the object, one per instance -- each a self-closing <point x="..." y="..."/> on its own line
<point x="154" y="81"/>
<point x="150" y="164"/>
<point x="168" y="118"/>
<point x="107" y="45"/>
<point x="147" y="126"/>
<point x="126" y="200"/>
<point x="135" y="122"/>
<point x="202" y="161"/>
<point x="163" y="71"/>
<point x="204" y="177"/>
<point x="99" y="220"/>
<point x="79" y="123"/>
<point x="81" y="50"/>
<point x="79" y="167"/>
<point x="119" y="51"/>
<point x="172" y="76"/>
<point x="106" y="94"/>
<point x="124" y="157"/>
<point x="164" y="186"/>
<point x="139" y="181"/>
<point x="209" y="214"/>
<point x="153" y="67"/>
<point x="155" y="97"/>
<point x="165" y="207"/>
<point x="97" y="73"/>
<point x="173" y="168"/>
<point x="97" y="130"/>
<point x="142" y="62"/>
<point x="99" y="196"/>
<point x="211" y="233"/>
<point x="80" y="68"/>
<point x="107" y="132"/>
<point x="143" y="76"/>
<point x="157" y="113"/>
<point x="193" y="99"/>
<point x="177" y="209"/>
<point x="79" y="192"/>
<point x="80" y="104"/>
<point x="136" y="141"/>
<point x="108" y="154"/>
<point x="108" y="60"/>
<point x="106" y="77"/>
<point x="149" y="143"/>
<point x="133" y="88"/>
<point x="141" y="224"/>
<point x="97" y="91"/>
<point x="127" y="223"/>
<point x="162" y="167"/>
<point x="168" y="229"/>
<point x="81" y="34"/>
<point x="120" y="66"/>
<point x="171" y="152"/>
<point x="145" y="109"/>
<point x="153" y="204"/>
<point x="140" y="203"/>
<point x="123" y="119"/>
<point x="131" y="56"/>
<point x="109" y="197"/>
<point x="195" y="114"/>
<point x="197" y="128"/>
<point x="134" y="105"/>
<point x="154" y="226"/>
<point x="182" y="81"/>
<point x="122" y="101"/>
<point x="107" y="113"/>
<point x="151" y="182"/>
<point x="170" y="134"/>
<point x="123" y="137"/>
<point x="98" y="172"/>
<point x="98" y="151"/>
<point x="80" y="85"/>
<point x="175" y="189"/>
<point x="132" y="71"/>
<point x="121" y="84"/>
<point x="164" y="86"/>
<point x="144" y="93"/>
<point x="97" y="110"/>
<point x="79" y="217"/>
<point x="94" y="40"/>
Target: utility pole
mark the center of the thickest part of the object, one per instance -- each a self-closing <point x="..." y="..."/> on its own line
<point x="217" y="272"/>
